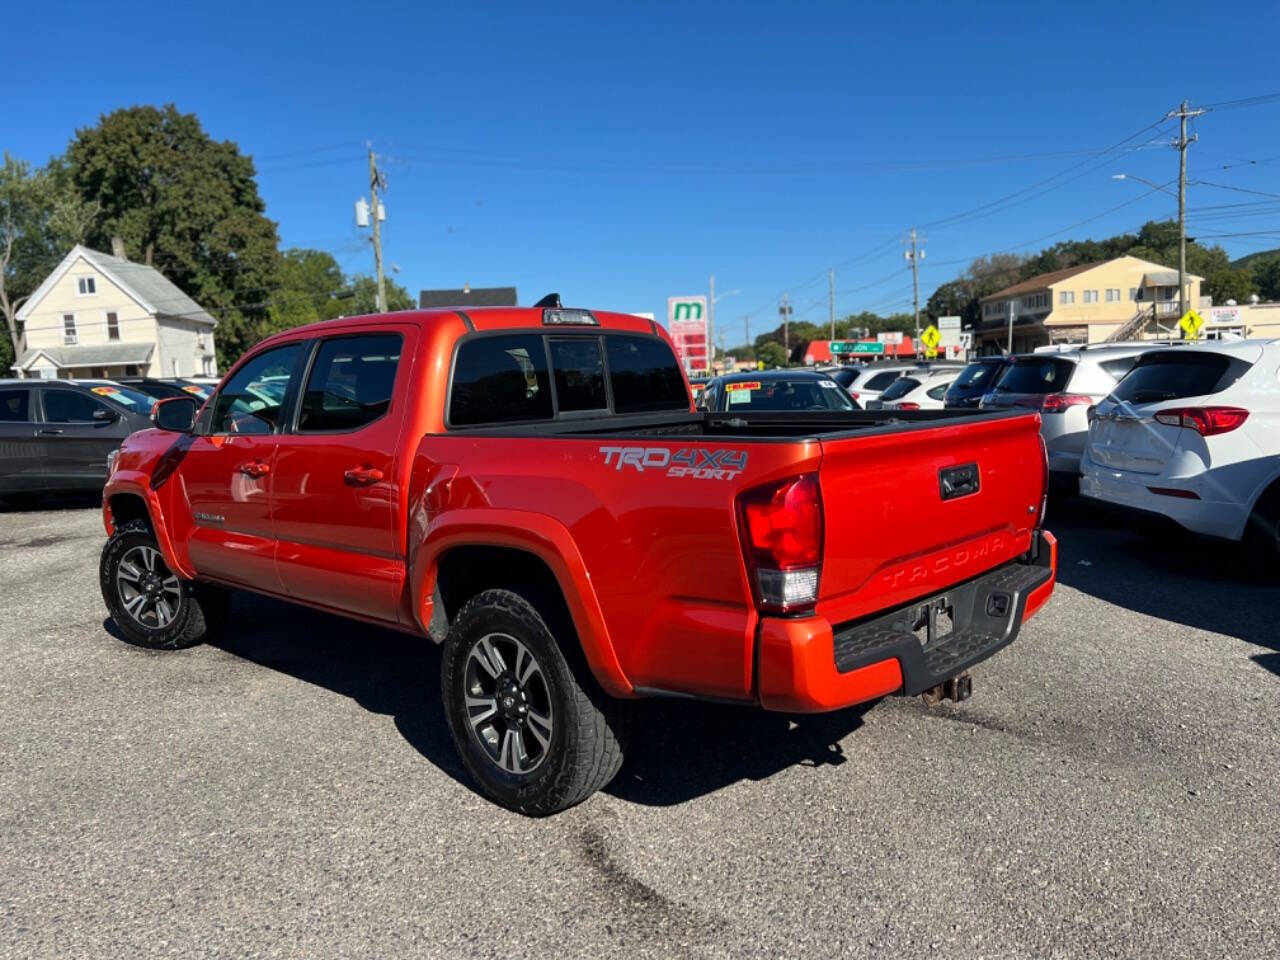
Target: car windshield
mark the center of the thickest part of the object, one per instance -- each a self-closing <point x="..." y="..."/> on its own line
<point x="1036" y="375"/>
<point x="976" y="375"/>
<point x="122" y="396"/>
<point x="197" y="391"/>
<point x="844" y="377"/>
<point x="780" y="394"/>
<point x="899" y="388"/>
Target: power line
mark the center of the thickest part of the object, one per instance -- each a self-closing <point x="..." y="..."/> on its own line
<point x="1243" y="102"/>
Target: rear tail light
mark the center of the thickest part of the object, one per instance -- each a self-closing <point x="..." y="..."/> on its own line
<point x="1206" y="421"/>
<point x="781" y="529"/>
<point x="854" y="394"/>
<point x="908" y="405"/>
<point x="1059" y="402"/>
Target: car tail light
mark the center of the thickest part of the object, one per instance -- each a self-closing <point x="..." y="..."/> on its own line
<point x="908" y="405"/>
<point x="1059" y="402"/>
<point x="854" y="394"/>
<point x="1206" y="421"/>
<point x="781" y="529"/>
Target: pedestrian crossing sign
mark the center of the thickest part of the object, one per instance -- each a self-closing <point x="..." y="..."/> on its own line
<point x="1191" y="324"/>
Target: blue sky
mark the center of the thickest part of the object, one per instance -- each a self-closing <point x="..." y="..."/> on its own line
<point x="621" y="153"/>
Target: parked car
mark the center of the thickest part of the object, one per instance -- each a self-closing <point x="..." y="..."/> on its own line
<point x="775" y="390"/>
<point x="533" y="489"/>
<point x="56" y="435"/>
<point x="163" y="388"/>
<point x="865" y="383"/>
<point x="978" y="378"/>
<point x="1062" y="385"/>
<point x="1193" y="436"/>
<point x="918" y="390"/>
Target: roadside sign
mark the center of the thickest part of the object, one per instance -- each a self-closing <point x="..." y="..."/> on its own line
<point x="839" y="347"/>
<point x="687" y="323"/>
<point x="931" y="353"/>
<point x="759" y="364"/>
<point x="931" y="337"/>
<point x="949" y="328"/>
<point x="891" y="337"/>
<point x="1191" y="323"/>
<point x="948" y="323"/>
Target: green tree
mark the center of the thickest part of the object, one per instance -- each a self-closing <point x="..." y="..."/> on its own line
<point x="1224" y="285"/>
<point x="41" y="218"/>
<point x="187" y="205"/>
<point x="311" y="287"/>
<point x="772" y="354"/>
<point x="364" y="296"/>
<point x="743" y="351"/>
<point x="1266" y="275"/>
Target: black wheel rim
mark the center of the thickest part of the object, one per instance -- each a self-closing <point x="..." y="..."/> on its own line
<point x="149" y="593"/>
<point x="508" y="704"/>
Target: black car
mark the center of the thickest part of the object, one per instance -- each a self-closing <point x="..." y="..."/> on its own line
<point x="163" y="389"/>
<point x="976" y="379"/>
<point x="55" y="434"/>
<point x="775" y="390"/>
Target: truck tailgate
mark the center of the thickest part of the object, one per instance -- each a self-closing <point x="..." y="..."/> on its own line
<point x="911" y="514"/>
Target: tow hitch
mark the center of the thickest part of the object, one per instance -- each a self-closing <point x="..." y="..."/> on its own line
<point x="957" y="688"/>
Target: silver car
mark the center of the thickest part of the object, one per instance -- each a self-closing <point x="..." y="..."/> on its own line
<point x="1062" y="384"/>
<point x="865" y="383"/>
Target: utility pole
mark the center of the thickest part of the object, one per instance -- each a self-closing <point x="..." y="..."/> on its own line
<point x="1182" y="113"/>
<point x="785" y="310"/>
<point x="1011" y="326"/>
<point x="376" y="180"/>
<point x="711" y="325"/>
<point x="746" y="330"/>
<point x="831" y="295"/>
<point x="914" y="256"/>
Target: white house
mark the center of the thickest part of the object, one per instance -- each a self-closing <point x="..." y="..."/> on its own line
<point x="102" y="316"/>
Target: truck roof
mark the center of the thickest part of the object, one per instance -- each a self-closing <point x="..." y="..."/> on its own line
<point x="486" y="319"/>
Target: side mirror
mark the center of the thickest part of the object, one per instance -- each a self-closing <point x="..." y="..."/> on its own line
<point x="176" y="414"/>
<point x="103" y="415"/>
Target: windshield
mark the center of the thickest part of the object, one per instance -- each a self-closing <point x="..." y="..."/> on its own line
<point x="977" y="375"/>
<point x="786" y="395"/>
<point x="1036" y="375"/>
<point x="1175" y="375"/>
<point x="900" y="388"/>
<point x="125" y="397"/>
<point x="845" y="377"/>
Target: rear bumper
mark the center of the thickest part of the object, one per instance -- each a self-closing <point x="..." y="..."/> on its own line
<point x="1127" y="492"/>
<point x="807" y="666"/>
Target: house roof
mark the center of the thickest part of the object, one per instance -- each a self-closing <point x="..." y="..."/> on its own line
<point x="1044" y="280"/>
<point x="88" y="355"/>
<point x="468" y="296"/>
<point x="146" y="285"/>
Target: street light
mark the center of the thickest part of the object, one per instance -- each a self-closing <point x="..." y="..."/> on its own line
<point x="1182" y="234"/>
<point x="712" y="300"/>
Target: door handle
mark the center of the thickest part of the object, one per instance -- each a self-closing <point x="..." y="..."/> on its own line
<point x="255" y="469"/>
<point x="363" y="476"/>
<point x="50" y="432"/>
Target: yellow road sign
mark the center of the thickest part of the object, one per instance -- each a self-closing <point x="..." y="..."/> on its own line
<point x="931" y="353"/>
<point x="931" y="337"/>
<point x="1191" y="323"/>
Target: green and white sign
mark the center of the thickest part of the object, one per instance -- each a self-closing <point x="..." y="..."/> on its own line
<point x="855" y="346"/>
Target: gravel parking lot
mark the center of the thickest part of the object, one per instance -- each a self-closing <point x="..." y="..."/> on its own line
<point x="1111" y="789"/>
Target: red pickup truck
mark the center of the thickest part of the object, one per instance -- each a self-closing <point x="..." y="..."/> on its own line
<point x="532" y="488"/>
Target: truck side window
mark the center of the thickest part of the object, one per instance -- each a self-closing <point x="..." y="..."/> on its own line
<point x="350" y="382"/>
<point x="14" y="406"/>
<point x="644" y="375"/>
<point x="250" y="402"/>
<point x="579" y="371"/>
<point x="67" y="406"/>
<point x="499" y="380"/>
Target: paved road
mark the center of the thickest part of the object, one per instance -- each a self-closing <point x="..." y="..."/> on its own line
<point x="1111" y="790"/>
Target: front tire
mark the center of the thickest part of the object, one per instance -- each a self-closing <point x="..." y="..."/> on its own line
<point x="151" y="605"/>
<point x="530" y="724"/>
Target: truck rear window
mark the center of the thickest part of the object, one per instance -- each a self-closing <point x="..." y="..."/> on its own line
<point x="644" y="375"/>
<point x="1037" y="375"/>
<point x="500" y="380"/>
<point x="1176" y="374"/>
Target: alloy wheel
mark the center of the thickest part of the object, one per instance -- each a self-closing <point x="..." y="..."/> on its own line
<point x="149" y="593"/>
<point x="508" y="703"/>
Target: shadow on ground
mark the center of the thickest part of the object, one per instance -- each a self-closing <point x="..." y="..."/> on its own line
<point x="29" y="502"/>
<point x="680" y="749"/>
<point x="1203" y="583"/>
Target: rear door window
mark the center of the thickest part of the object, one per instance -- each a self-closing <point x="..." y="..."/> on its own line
<point x="644" y="375"/>
<point x="899" y="388"/>
<point x="350" y="383"/>
<point x="69" y="406"/>
<point x="579" y="375"/>
<point x="1037" y="375"/>
<point x="880" y="380"/>
<point x="1175" y="374"/>
<point x="501" y="379"/>
<point x="15" y="406"/>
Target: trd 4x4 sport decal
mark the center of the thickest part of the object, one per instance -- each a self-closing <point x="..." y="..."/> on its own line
<point x="696" y="462"/>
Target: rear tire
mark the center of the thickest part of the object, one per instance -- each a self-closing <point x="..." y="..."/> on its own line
<point x="531" y="724"/>
<point x="151" y="605"/>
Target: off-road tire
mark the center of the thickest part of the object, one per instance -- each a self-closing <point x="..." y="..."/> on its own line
<point x="589" y="729"/>
<point x="201" y="609"/>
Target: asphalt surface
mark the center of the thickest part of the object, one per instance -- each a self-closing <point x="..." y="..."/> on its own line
<point x="1112" y="789"/>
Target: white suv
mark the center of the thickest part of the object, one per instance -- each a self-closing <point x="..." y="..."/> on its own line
<point x="1193" y="434"/>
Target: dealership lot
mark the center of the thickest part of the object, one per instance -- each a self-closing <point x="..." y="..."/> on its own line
<point x="1112" y="789"/>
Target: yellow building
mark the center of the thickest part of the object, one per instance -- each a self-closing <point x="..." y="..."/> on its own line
<point x="102" y="316"/>
<point x="1121" y="299"/>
